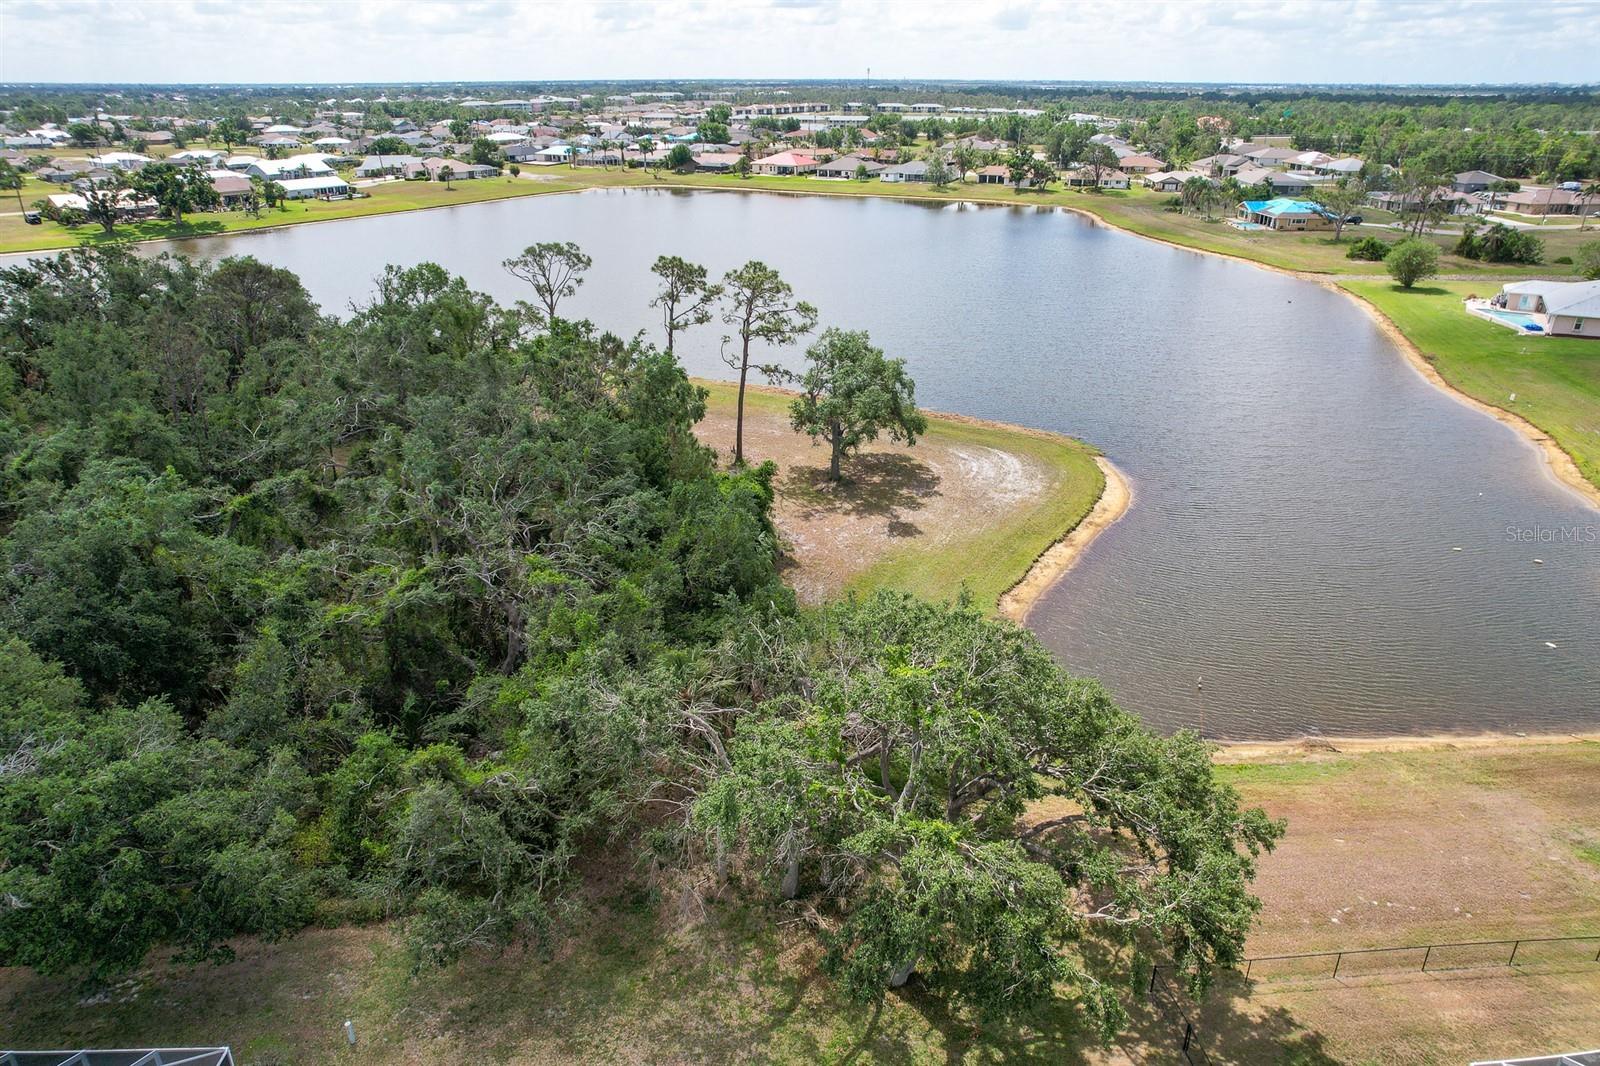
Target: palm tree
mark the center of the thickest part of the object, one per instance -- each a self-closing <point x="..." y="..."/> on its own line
<point x="1591" y="192"/>
<point x="446" y="172"/>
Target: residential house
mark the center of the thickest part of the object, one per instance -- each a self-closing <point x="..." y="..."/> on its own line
<point x="785" y="163"/>
<point x="916" y="170"/>
<point x="119" y="160"/>
<point x="1568" y="308"/>
<point x="1174" y="180"/>
<point x="378" y="166"/>
<point x="847" y="167"/>
<point x="1290" y="184"/>
<point x="1541" y="200"/>
<point x="993" y="175"/>
<point x="151" y="136"/>
<point x="232" y="188"/>
<point x="207" y="156"/>
<point x="324" y="187"/>
<point x="1284" y="213"/>
<point x="1475" y="181"/>
<point x="1140" y="164"/>
<point x="295" y="166"/>
<point x="1271" y="157"/>
<point x="717" y="162"/>
<point x="1083" y="178"/>
<point x="1347" y="167"/>
<point x="460" y="169"/>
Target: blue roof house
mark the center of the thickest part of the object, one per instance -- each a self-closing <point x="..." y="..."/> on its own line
<point x="1285" y="214"/>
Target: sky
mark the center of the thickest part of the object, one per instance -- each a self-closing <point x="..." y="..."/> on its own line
<point x="1368" y="41"/>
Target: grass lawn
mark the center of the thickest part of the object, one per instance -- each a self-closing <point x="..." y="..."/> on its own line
<point x="970" y="506"/>
<point x="660" y="974"/>
<point x="17" y="236"/>
<point x="1556" y="379"/>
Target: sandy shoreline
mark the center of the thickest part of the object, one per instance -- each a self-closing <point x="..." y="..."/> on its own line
<point x="1243" y="751"/>
<point x="1057" y="559"/>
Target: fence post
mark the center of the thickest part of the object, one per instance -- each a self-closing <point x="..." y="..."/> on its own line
<point x="1338" y="960"/>
<point x="1154" y="970"/>
<point x="1425" y="955"/>
<point x="1247" y="964"/>
<point x="1513" y="960"/>
<point x="1188" y="1034"/>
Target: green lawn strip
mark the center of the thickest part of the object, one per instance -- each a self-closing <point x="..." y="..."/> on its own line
<point x="1556" y="380"/>
<point x="389" y="198"/>
<point x="991" y="558"/>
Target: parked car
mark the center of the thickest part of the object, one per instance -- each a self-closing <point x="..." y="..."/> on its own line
<point x="32" y="218"/>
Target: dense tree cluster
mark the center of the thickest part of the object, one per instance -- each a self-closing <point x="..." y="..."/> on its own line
<point x="422" y="613"/>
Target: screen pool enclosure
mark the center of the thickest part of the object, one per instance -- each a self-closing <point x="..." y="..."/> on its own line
<point x="144" y="1056"/>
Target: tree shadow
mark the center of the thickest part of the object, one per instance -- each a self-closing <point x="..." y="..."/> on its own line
<point x="875" y="485"/>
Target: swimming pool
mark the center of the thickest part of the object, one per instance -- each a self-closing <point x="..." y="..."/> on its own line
<point x="1517" y="320"/>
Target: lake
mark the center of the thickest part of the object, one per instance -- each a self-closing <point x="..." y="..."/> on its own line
<point x="1326" y="539"/>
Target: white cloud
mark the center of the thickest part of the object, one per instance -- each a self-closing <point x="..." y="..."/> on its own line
<point x="506" y="40"/>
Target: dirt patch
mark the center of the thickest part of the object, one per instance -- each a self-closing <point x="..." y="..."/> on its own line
<point x="1395" y="848"/>
<point x="931" y="494"/>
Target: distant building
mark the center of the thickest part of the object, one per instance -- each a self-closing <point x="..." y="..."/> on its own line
<point x="1475" y="181"/>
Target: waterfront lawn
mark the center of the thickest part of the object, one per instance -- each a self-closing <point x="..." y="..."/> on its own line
<point x="17" y="236"/>
<point x="969" y="507"/>
<point x="1556" y="380"/>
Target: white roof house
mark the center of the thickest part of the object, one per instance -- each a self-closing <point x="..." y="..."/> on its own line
<point x="196" y="155"/>
<point x="306" y="188"/>
<point x="330" y="142"/>
<point x="295" y="166"/>
<point x="119" y="160"/>
<point x="1571" y="308"/>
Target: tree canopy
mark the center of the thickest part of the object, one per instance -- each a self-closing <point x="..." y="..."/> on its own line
<point x="418" y="613"/>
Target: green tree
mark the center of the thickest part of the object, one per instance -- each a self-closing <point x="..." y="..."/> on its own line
<point x="686" y="298"/>
<point x="892" y="790"/>
<point x="554" y="269"/>
<point x="1412" y="260"/>
<point x="104" y="205"/>
<point x="176" y="189"/>
<point x="11" y="181"/>
<point x="760" y="306"/>
<point x="938" y="171"/>
<point x="680" y="159"/>
<point x="850" y="393"/>
<point x="1341" y="199"/>
<point x="123" y="832"/>
<point x="446" y="173"/>
<point x="1099" y="161"/>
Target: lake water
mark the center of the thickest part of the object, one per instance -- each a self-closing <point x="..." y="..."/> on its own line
<point x="1299" y="491"/>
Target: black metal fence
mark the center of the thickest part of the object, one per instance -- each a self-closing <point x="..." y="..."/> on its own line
<point x="1427" y="958"/>
<point x="1173" y="1007"/>
<point x="1413" y="958"/>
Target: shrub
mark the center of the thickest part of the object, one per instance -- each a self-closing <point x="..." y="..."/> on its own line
<point x="1411" y="261"/>
<point x="1499" y="243"/>
<point x="1562" y="260"/>
<point x="1371" y="249"/>
<point x="1588" y="260"/>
